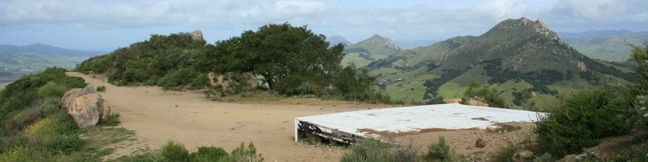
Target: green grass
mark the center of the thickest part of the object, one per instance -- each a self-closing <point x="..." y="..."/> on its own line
<point x="452" y="90"/>
<point x="411" y="88"/>
<point x="354" y="58"/>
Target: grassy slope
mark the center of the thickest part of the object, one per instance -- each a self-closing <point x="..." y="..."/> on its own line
<point x="610" y="48"/>
<point x="355" y="59"/>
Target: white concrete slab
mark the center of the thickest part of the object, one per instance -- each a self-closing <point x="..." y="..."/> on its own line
<point x="416" y="118"/>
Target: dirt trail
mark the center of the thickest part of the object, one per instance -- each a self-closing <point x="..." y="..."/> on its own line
<point x="157" y="116"/>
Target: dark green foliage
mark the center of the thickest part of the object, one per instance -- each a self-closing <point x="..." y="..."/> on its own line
<point x="504" y="154"/>
<point x="156" y="61"/>
<point x="178" y="153"/>
<point x="357" y="86"/>
<point x="290" y="60"/>
<point x="439" y="151"/>
<point x="206" y="154"/>
<point x="101" y="89"/>
<point x="539" y="79"/>
<point x="522" y="97"/>
<point x="33" y="91"/>
<point x="183" y="77"/>
<point x="581" y="120"/>
<point x="287" y="57"/>
<point x="432" y="86"/>
<point x="640" y="56"/>
<point x="368" y="151"/>
<point x="487" y="93"/>
<point x="175" y="152"/>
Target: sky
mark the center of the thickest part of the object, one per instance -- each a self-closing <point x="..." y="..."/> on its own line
<point x="105" y="25"/>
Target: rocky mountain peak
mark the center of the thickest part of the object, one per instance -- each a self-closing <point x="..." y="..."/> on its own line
<point x="524" y="24"/>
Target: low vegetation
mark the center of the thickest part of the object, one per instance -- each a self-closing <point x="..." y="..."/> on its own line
<point x="177" y="152"/>
<point x="585" y="118"/>
<point x="281" y="58"/>
<point x="35" y="129"/>
<point x="488" y="94"/>
<point x="376" y="151"/>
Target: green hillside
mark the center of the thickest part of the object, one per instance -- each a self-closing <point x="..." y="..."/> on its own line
<point x="527" y="62"/>
<point x="374" y="48"/>
<point x="606" y="47"/>
<point x="16" y="61"/>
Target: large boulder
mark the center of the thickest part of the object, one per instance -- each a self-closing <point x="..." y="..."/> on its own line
<point x="197" y="35"/>
<point x="84" y="105"/>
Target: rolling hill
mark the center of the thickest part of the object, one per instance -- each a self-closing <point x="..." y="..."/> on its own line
<point x="18" y="60"/>
<point x="605" y="45"/>
<point x="529" y="63"/>
<point x="374" y="48"/>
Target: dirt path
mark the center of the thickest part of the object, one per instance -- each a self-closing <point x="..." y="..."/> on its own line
<point x="157" y="116"/>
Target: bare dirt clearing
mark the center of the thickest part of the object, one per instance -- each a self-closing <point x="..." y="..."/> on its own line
<point x="159" y="116"/>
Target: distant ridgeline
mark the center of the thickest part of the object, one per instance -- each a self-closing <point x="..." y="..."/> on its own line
<point x="16" y="61"/>
<point x="276" y="57"/>
<point x="527" y="62"/>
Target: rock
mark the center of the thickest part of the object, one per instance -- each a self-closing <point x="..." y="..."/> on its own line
<point x="197" y="35"/>
<point x="522" y="155"/>
<point x="479" y="143"/>
<point x="84" y="105"/>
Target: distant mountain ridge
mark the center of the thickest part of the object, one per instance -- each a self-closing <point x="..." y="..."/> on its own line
<point x="337" y="39"/>
<point x="18" y="60"/>
<point x="47" y="50"/>
<point x="374" y="48"/>
<point x="609" y="45"/>
<point x="516" y="55"/>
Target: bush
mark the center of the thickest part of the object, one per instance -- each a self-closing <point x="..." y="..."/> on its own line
<point x="504" y="154"/>
<point x="101" y="89"/>
<point x="439" y="151"/>
<point x="206" y="154"/>
<point x="60" y="144"/>
<point x="581" y="120"/>
<point x="247" y="154"/>
<point x="56" y="124"/>
<point x="370" y="150"/>
<point x="173" y="151"/>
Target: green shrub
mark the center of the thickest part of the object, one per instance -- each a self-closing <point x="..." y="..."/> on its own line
<point x="50" y="105"/>
<point x="370" y="150"/>
<point x="546" y="157"/>
<point x="55" y="124"/>
<point x="146" y="157"/>
<point x="439" y="151"/>
<point x="207" y="154"/>
<point x="504" y="154"/>
<point x="582" y="119"/>
<point x="58" y="144"/>
<point x="51" y="89"/>
<point x="101" y="89"/>
<point x="24" y="154"/>
<point x="247" y="154"/>
<point x="175" y="152"/>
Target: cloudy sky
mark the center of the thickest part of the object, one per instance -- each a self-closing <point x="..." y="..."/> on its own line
<point x="109" y="24"/>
